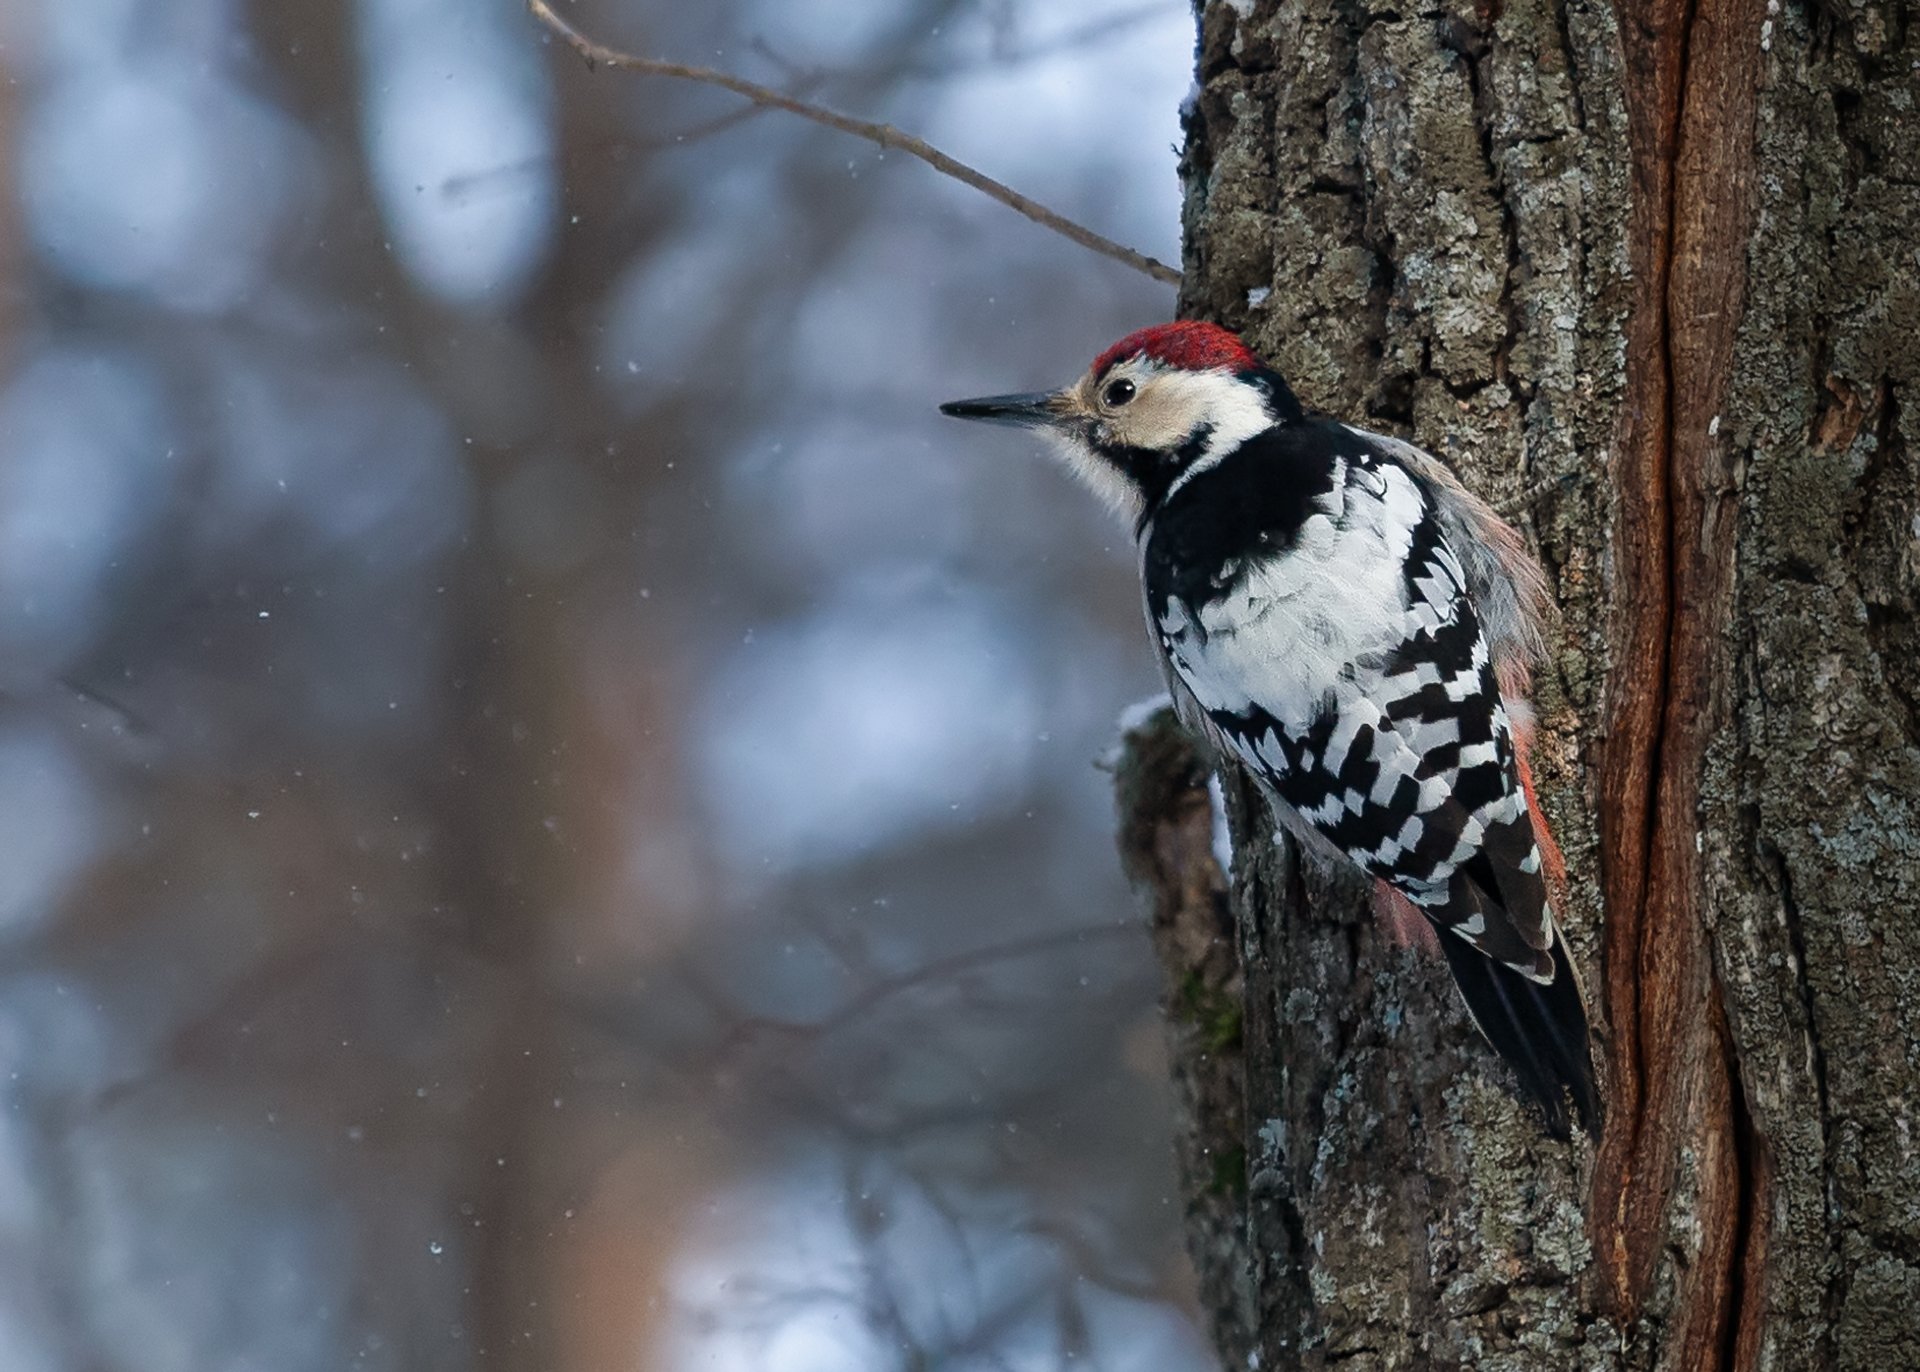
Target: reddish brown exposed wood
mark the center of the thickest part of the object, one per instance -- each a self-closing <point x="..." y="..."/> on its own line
<point x="1552" y="861"/>
<point x="1692" y="88"/>
<point x="1651" y="33"/>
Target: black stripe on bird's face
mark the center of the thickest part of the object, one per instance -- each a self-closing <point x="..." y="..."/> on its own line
<point x="1152" y="470"/>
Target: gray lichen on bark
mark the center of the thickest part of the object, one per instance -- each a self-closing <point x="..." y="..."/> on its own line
<point x="1428" y="220"/>
<point x="1812" y="807"/>
<point x="1433" y="208"/>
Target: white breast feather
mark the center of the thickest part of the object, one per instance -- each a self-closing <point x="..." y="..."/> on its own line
<point x="1293" y="623"/>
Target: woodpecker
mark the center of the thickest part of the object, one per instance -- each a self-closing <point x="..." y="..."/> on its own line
<point x="1337" y="614"/>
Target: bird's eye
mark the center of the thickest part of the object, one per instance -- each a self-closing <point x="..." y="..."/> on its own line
<point x="1118" y="392"/>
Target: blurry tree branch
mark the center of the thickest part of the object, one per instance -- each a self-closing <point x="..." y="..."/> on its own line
<point x="1109" y="25"/>
<point x="747" y="1030"/>
<point x="881" y="135"/>
<point x="456" y="186"/>
<point x="1001" y="55"/>
<point x="804" y="80"/>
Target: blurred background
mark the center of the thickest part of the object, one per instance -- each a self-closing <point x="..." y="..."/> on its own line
<point x="549" y="803"/>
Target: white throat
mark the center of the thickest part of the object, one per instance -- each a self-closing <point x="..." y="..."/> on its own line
<point x="1116" y="491"/>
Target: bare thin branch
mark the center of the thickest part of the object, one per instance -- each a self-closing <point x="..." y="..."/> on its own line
<point x="1104" y="29"/>
<point x="882" y="135"/>
<point x="455" y="187"/>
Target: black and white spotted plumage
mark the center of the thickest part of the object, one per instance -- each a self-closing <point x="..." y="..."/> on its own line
<point x="1339" y="616"/>
<point x="1322" y="627"/>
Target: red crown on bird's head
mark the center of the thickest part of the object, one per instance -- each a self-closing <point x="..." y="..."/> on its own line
<point x="1189" y="345"/>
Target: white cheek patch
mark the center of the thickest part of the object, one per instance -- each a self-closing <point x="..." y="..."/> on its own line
<point x="1171" y="407"/>
<point x="1235" y="410"/>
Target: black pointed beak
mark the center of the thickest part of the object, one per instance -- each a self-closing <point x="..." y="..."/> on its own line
<point x="1032" y="410"/>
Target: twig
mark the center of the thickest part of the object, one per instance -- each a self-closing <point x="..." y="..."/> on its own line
<point x="882" y="135"/>
<point x="456" y="186"/>
<point x="806" y="80"/>
<point x="1107" y="26"/>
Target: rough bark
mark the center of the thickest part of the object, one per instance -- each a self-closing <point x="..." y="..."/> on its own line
<point x="1648" y="275"/>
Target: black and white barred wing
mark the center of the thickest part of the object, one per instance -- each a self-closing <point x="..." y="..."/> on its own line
<point x="1371" y="713"/>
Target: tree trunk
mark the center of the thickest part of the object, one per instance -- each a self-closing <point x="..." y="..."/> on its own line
<point x="1649" y="277"/>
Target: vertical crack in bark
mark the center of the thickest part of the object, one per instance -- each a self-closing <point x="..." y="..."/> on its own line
<point x="1637" y="696"/>
<point x="1474" y="50"/>
<point x="1747" y="1306"/>
<point x="1775" y="862"/>
<point x="1684" y="1213"/>
<point x="1563" y="28"/>
<point x="1693" y="93"/>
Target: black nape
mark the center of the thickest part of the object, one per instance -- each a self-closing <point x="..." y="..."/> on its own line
<point x="1281" y="400"/>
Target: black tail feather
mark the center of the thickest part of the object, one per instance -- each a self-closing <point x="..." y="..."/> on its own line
<point x="1541" y="1031"/>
